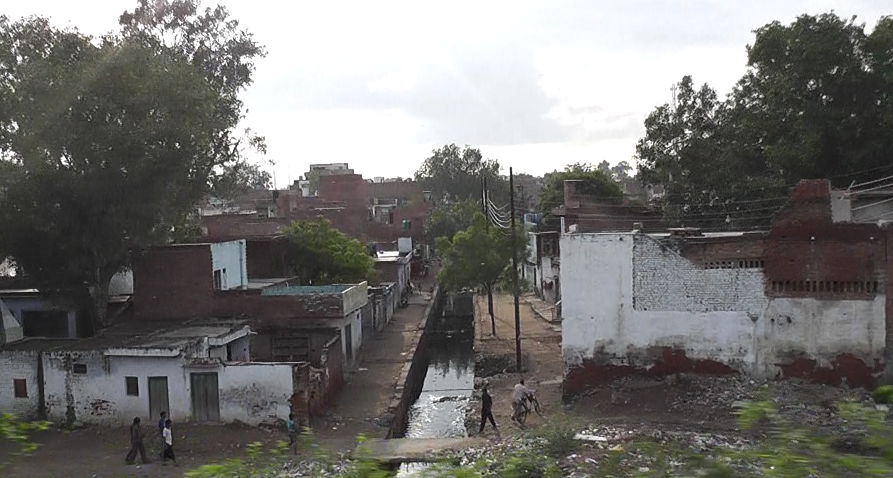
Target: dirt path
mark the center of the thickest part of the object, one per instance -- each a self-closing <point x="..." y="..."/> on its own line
<point x="540" y="347"/>
<point x="99" y="452"/>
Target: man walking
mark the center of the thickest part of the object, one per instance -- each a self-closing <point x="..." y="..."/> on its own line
<point x="487" y="411"/>
<point x="292" y="428"/>
<point x="161" y="433"/>
<point x="168" y="444"/>
<point x="136" y="443"/>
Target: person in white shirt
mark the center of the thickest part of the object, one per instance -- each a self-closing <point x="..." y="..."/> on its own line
<point x="519" y="394"/>
<point x="168" y="443"/>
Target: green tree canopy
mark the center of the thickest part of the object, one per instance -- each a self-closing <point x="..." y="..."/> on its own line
<point x="447" y="219"/>
<point x="112" y="142"/>
<point x="596" y="183"/>
<point x="479" y="256"/>
<point x="454" y="173"/>
<point x="814" y="103"/>
<point x="320" y="254"/>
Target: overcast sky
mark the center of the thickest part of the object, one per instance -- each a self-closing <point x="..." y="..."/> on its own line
<point x="537" y="85"/>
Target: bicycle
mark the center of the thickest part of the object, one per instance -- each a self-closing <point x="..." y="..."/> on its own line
<point x="525" y="409"/>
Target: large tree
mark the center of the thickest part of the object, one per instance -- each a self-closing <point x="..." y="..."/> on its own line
<point x="453" y="173"/>
<point x="479" y="256"/>
<point x="113" y="140"/>
<point x="447" y="219"/>
<point x="595" y="183"/>
<point x="320" y="254"/>
<point x="814" y="103"/>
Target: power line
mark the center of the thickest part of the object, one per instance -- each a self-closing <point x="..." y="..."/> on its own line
<point x="866" y="183"/>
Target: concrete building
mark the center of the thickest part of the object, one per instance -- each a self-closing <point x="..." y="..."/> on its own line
<point x="809" y="298"/>
<point x="396" y="267"/>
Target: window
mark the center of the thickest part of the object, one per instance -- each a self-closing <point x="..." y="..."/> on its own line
<point x="80" y="368"/>
<point x="21" y="388"/>
<point x="218" y="279"/>
<point x="133" y="386"/>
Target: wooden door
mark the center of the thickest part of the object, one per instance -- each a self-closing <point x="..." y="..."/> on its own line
<point x="158" y="401"/>
<point x="205" y="398"/>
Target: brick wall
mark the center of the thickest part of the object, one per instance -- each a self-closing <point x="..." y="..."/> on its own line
<point x="807" y="255"/>
<point x="665" y="280"/>
<point x="267" y="258"/>
<point x="173" y="282"/>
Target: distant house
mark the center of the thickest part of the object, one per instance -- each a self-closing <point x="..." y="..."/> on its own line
<point x="396" y="267"/>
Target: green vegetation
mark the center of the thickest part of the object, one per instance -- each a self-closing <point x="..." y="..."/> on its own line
<point x="814" y="103"/>
<point x="453" y="173"/>
<point x="595" y="182"/>
<point x="18" y="432"/>
<point x="112" y="142"/>
<point x="479" y="256"/>
<point x="883" y="394"/>
<point x="320" y="254"/>
<point x="449" y="218"/>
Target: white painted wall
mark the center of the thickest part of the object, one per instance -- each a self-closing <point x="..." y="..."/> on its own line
<point x="253" y="393"/>
<point x="355" y="319"/>
<point x="230" y="255"/>
<point x="622" y="295"/>
<point x="15" y="364"/>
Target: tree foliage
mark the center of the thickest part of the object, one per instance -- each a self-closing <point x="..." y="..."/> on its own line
<point x="113" y="141"/>
<point x="596" y="183"/>
<point x="240" y="178"/>
<point x="475" y="257"/>
<point x="320" y="254"/>
<point x="447" y="219"/>
<point x="454" y="173"/>
<point x="815" y="103"/>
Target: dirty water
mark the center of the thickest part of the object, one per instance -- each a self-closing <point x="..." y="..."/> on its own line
<point x="439" y="412"/>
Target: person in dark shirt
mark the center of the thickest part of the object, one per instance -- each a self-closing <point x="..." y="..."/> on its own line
<point x="487" y="411"/>
<point x="161" y="433"/>
<point x="136" y="443"/>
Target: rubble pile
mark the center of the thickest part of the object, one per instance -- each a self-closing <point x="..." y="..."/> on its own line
<point x="697" y="392"/>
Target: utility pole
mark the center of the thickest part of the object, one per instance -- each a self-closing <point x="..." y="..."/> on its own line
<point x="515" y="274"/>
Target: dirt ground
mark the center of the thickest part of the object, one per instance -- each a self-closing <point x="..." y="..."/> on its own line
<point x="685" y="403"/>
<point x="541" y="351"/>
<point x="99" y="451"/>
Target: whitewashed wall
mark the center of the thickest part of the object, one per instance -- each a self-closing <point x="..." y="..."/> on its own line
<point x="252" y="392"/>
<point x="624" y="296"/>
<point x="355" y="319"/>
<point x="231" y="256"/>
<point x="255" y="393"/>
<point x="18" y="364"/>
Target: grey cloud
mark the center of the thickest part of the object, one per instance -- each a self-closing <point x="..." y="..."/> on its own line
<point x="487" y="96"/>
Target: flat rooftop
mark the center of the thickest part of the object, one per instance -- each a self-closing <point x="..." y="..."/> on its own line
<point x="307" y="289"/>
<point x="145" y="334"/>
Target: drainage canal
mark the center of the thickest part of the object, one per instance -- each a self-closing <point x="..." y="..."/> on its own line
<point x="439" y="411"/>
